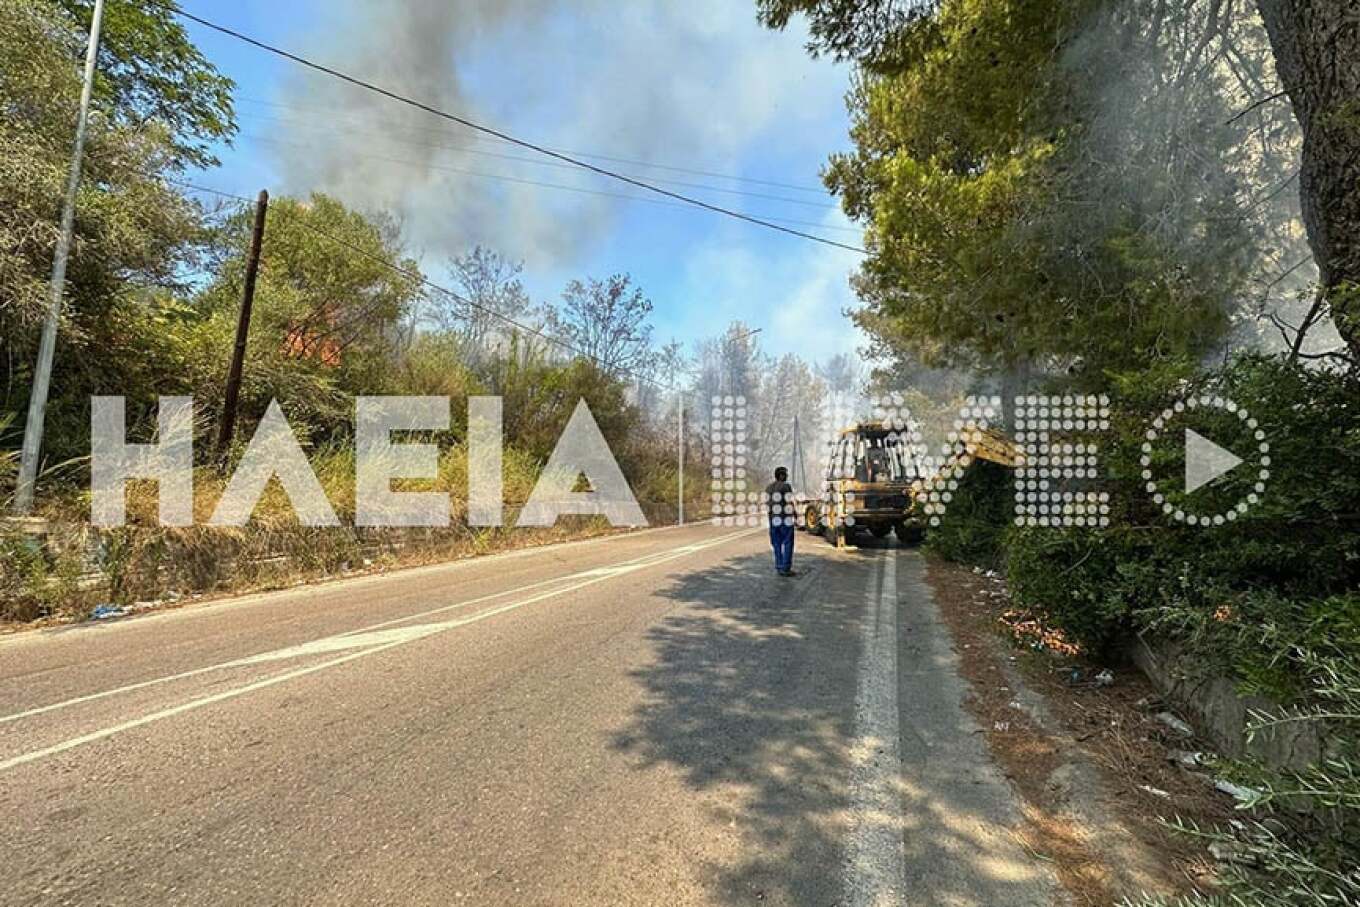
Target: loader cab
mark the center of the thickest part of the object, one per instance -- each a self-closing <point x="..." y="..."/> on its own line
<point x="867" y="485"/>
<point x="874" y="456"/>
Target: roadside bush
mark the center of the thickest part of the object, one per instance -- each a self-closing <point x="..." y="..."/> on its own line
<point x="1256" y="636"/>
<point x="1296" y="547"/>
<point x="972" y="528"/>
<point x="1269" y="598"/>
<point x="1309" y="853"/>
<point x="143" y="561"/>
<point x="1081" y="581"/>
<point x="36" y="582"/>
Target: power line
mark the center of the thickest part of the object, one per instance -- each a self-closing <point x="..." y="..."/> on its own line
<point x="437" y="146"/>
<point x="440" y="168"/>
<point x="421" y="278"/>
<point x="506" y="137"/>
<point x="651" y="165"/>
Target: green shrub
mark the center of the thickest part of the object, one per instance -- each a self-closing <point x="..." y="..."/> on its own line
<point x="972" y="528"/>
<point x="1298" y="547"/>
<point x="1270" y="598"/>
<point x="1308" y="854"/>
<point x="1257" y="635"/>
<point x="35" y="581"/>
<point x="1074" y="579"/>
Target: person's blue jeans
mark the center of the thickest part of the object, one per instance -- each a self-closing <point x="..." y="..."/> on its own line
<point x="781" y="539"/>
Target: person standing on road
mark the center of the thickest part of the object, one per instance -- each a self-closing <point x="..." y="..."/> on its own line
<point x="779" y="500"/>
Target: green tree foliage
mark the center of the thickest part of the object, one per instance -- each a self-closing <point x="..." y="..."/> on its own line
<point x="1048" y="185"/>
<point x="865" y="31"/>
<point x="329" y="311"/>
<point x="1057" y="186"/>
<point x="150" y="72"/>
<point x="134" y="237"/>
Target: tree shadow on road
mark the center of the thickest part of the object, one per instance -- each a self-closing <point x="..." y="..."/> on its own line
<point x="752" y="697"/>
<point x="756" y="717"/>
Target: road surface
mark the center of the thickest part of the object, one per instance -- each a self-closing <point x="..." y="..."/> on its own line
<point x="651" y="719"/>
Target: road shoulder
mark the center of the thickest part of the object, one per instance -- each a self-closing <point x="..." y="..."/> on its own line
<point x="1087" y="759"/>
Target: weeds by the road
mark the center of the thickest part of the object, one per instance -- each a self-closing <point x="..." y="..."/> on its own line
<point x="73" y="567"/>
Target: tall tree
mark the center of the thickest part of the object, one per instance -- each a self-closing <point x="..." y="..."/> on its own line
<point x="150" y="72"/>
<point x="135" y="237"/>
<point x="607" y="320"/>
<point x="1317" y="56"/>
<point x="792" y="396"/>
<point x="327" y="309"/>
<point x="842" y="373"/>
<point x="492" y="295"/>
<point x="1052" y="184"/>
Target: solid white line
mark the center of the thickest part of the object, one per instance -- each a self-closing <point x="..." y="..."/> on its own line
<point x="184" y="707"/>
<point x="875" y="865"/>
<point x="341" y="583"/>
<point x="400" y="639"/>
<point x="639" y="562"/>
<point x="265" y="656"/>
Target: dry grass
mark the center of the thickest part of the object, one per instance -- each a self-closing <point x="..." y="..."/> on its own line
<point x="80" y="567"/>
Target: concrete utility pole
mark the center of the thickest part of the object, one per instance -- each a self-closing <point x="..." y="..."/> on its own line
<point x="238" y="353"/>
<point x="42" y="374"/>
<point x="680" y="433"/>
<point x="798" y="468"/>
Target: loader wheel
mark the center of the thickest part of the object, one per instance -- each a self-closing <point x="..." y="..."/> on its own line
<point x="910" y="536"/>
<point x="811" y="522"/>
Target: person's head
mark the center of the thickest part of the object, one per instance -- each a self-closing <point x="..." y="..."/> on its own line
<point x="781" y="474"/>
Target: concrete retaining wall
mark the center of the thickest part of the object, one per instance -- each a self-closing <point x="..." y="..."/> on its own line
<point x="1221" y="714"/>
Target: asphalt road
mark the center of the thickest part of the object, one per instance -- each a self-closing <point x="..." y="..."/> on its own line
<point x="649" y="719"/>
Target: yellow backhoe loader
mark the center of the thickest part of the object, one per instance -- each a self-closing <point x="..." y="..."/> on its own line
<point x="873" y="479"/>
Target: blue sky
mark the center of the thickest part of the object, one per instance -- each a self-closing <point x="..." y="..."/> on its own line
<point x="695" y="86"/>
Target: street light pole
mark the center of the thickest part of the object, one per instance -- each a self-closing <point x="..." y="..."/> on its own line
<point x="42" y="375"/>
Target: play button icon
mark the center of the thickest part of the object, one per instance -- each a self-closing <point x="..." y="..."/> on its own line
<point x="1205" y="461"/>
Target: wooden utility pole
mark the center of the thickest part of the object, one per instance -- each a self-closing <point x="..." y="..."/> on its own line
<point x="238" y="353"/>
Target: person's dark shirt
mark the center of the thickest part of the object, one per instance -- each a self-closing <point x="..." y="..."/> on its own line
<point x="779" y="497"/>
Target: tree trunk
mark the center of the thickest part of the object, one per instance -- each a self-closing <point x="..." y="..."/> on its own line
<point x="1317" y="56"/>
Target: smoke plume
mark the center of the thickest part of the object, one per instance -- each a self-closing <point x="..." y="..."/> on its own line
<point x="655" y="81"/>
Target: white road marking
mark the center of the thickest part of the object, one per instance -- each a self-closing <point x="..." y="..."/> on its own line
<point x="627" y="566"/>
<point x="624" y="566"/>
<point x="336" y="584"/>
<point x="372" y="643"/>
<point x="345" y="643"/>
<point x="184" y="707"/>
<point x="875" y="867"/>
